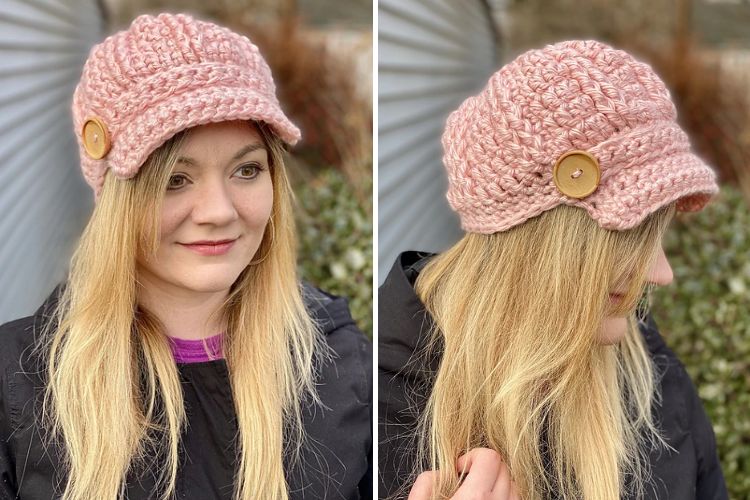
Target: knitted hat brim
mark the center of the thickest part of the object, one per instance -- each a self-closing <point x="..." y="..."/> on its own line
<point x="683" y="178"/>
<point x="159" y="123"/>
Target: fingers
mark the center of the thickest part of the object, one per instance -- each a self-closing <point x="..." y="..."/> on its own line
<point x="422" y="488"/>
<point x="501" y="489"/>
<point x="505" y="488"/>
<point x="486" y="476"/>
<point x="484" y="467"/>
<point x="484" y="473"/>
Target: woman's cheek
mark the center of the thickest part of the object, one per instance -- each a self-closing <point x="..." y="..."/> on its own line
<point x="173" y="214"/>
<point x="257" y="206"/>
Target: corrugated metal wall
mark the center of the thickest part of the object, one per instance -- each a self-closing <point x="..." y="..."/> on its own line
<point x="43" y="200"/>
<point x="432" y="55"/>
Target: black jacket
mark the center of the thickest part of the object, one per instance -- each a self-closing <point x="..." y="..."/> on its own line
<point x="336" y="460"/>
<point x="692" y="472"/>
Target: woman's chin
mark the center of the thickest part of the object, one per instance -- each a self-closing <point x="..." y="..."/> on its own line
<point x="211" y="283"/>
<point x="613" y="330"/>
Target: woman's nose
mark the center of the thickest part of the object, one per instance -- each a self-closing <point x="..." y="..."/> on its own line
<point x="214" y="204"/>
<point x="661" y="272"/>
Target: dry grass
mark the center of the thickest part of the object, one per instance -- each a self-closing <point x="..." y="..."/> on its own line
<point x="319" y="91"/>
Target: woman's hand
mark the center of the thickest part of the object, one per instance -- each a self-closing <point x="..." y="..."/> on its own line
<point x="486" y="477"/>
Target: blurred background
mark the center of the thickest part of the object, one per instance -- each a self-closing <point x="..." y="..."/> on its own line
<point x="434" y="53"/>
<point x="320" y="53"/>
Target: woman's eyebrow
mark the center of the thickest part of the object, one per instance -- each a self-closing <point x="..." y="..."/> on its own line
<point x="242" y="152"/>
<point x="248" y="149"/>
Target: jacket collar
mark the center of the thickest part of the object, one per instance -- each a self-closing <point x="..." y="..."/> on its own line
<point x="404" y="326"/>
<point x="328" y="311"/>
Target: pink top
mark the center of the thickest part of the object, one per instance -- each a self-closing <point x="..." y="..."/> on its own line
<point x="194" y="351"/>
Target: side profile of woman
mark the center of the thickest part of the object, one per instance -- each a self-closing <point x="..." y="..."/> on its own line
<point x="182" y="358"/>
<point x="523" y="361"/>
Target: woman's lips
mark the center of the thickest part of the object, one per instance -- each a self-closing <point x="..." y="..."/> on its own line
<point x="615" y="298"/>
<point x="210" y="249"/>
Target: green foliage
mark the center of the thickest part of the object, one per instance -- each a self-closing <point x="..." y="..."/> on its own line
<point x="704" y="316"/>
<point x="335" y="233"/>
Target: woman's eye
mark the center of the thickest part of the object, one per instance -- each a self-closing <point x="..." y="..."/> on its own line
<point x="176" y="182"/>
<point x="249" y="171"/>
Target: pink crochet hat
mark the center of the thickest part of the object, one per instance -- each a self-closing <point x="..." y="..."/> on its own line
<point x="162" y="75"/>
<point x="578" y="123"/>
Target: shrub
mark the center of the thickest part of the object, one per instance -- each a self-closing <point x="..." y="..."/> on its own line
<point x="335" y="233"/>
<point x="705" y="318"/>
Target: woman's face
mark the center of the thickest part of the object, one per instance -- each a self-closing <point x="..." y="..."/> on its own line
<point x="614" y="328"/>
<point x="215" y="210"/>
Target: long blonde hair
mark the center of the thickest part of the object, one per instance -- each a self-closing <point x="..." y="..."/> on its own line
<point x="516" y="320"/>
<point x="113" y="396"/>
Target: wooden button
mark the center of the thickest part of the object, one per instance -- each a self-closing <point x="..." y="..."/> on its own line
<point x="96" y="138"/>
<point x="576" y="174"/>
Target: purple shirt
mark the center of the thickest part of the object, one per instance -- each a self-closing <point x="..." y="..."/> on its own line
<point x="194" y="351"/>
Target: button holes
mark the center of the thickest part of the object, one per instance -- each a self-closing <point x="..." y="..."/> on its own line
<point x="576" y="174"/>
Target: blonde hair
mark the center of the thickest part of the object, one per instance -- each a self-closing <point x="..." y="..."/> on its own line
<point x="516" y="320"/>
<point x="105" y="347"/>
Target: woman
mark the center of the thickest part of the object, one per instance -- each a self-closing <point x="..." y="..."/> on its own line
<point x="521" y="363"/>
<point x="182" y="358"/>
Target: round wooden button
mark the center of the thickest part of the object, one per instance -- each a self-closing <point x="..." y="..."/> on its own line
<point x="576" y="174"/>
<point x="95" y="138"/>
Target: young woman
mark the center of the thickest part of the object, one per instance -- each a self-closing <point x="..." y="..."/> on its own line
<point x="182" y="357"/>
<point x="521" y="363"/>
